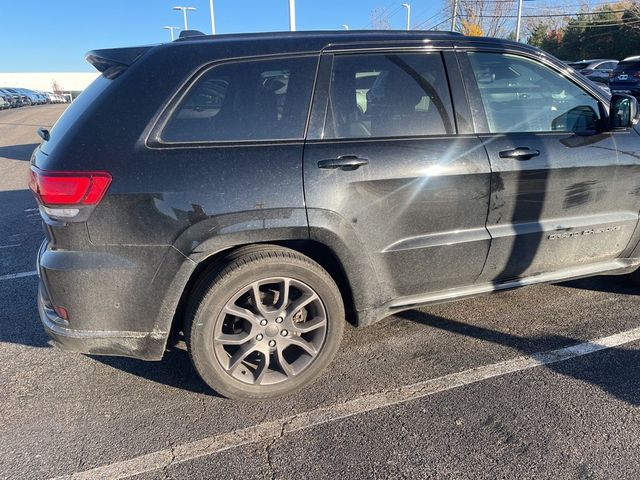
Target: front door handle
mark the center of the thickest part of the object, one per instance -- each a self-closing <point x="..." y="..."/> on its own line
<point x="343" y="162"/>
<point x="520" y="153"/>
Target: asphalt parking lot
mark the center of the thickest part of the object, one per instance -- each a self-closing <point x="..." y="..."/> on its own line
<point x="461" y="390"/>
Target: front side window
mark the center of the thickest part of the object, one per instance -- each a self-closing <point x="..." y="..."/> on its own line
<point x="388" y="95"/>
<point x="521" y="95"/>
<point x="245" y="101"/>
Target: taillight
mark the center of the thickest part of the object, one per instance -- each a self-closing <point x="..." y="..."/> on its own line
<point x="586" y="72"/>
<point x="636" y="74"/>
<point x="68" y="189"/>
<point x="612" y="74"/>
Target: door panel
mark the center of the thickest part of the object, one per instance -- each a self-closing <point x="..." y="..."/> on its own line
<point x="418" y="206"/>
<point x="560" y="209"/>
<point x="570" y="199"/>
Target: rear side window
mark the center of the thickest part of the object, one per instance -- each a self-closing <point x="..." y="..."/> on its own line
<point x="388" y="95"/>
<point x="244" y="101"/>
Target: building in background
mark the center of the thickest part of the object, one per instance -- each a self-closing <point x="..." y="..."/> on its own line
<point x="69" y="83"/>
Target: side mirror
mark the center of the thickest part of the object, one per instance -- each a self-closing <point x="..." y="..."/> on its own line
<point x="624" y="111"/>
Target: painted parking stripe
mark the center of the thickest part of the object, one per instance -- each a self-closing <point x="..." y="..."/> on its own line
<point x="277" y="428"/>
<point x="10" y="276"/>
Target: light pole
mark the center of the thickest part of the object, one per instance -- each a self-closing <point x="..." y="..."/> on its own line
<point x="345" y="26"/>
<point x="171" y="29"/>
<point x="518" y="20"/>
<point x="213" y="22"/>
<point x="408" y="7"/>
<point x="292" y="15"/>
<point x="184" y="14"/>
<point x="454" y="15"/>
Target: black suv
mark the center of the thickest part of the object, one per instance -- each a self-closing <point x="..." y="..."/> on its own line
<point x="625" y="78"/>
<point x="252" y="191"/>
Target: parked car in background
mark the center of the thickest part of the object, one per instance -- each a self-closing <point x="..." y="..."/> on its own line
<point x="12" y="98"/>
<point x="31" y="95"/>
<point x="4" y="103"/>
<point x="43" y="96"/>
<point x="596" y="70"/>
<point x="24" y="99"/>
<point x="625" y="78"/>
<point x="20" y="97"/>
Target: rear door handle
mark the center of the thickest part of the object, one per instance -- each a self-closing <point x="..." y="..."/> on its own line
<point x="520" y="153"/>
<point x="343" y="162"/>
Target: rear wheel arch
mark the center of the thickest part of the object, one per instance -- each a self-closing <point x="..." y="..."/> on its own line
<point x="318" y="252"/>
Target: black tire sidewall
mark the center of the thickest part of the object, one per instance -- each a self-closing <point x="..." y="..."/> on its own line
<point x="221" y="290"/>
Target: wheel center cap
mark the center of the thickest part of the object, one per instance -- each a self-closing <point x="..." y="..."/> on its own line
<point x="272" y="331"/>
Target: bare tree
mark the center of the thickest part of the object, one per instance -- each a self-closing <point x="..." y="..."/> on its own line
<point x="550" y="14"/>
<point x="380" y="19"/>
<point x="56" y="87"/>
<point x="485" y="17"/>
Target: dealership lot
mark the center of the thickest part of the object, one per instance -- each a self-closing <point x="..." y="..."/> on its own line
<point x="451" y="391"/>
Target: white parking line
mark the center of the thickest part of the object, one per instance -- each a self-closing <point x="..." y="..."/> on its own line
<point x="277" y="428"/>
<point x="10" y="276"/>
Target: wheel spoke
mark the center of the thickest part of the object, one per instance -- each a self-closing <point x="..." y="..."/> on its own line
<point x="285" y="366"/>
<point x="257" y="301"/>
<point x="264" y="368"/>
<point x="242" y="353"/>
<point x="310" y="325"/>
<point x="237" y="311"/>
<point x="232" y="339"/>
<point x="301" y="302"/>
<point x="283" y="299"/>
<point x="303" y="344"/>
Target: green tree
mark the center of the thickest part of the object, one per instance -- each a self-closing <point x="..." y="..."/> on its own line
<point x="605" y="32"/>
<point x="538" y="35"/>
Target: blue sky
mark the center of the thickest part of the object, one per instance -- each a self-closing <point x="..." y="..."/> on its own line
<point x="54" y="36"/>
<point x="45" y="35"/>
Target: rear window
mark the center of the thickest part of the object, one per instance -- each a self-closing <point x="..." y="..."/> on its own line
<point x="628" y="66"/>
<point x="245" y="101"/>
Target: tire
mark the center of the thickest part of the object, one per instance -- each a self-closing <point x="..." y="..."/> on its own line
<point x="253" y="350"/>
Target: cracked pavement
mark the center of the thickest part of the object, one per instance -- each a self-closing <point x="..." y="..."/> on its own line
<point x="61" y="413"/>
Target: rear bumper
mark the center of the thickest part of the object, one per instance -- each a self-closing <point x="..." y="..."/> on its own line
<point x="91" y="329"/>
<point x="143" y="345"/>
